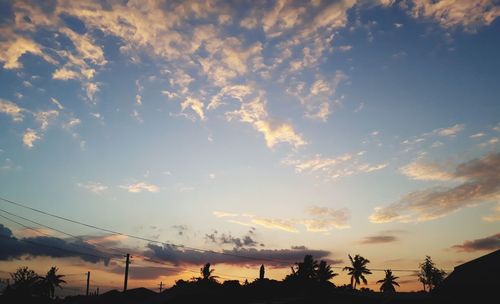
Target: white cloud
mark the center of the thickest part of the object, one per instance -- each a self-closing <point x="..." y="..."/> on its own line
<point x="450" y="13"/>
<point x="333" y="168"/>
<point x="45" y="117"/>
<point x="57" y="103"/>
<point x="29" y="137"/>
<point x="11" y="109"/>
<point x="95" y="187"/>
<point x="224" y="214"/>
<point x="280" y="224"/>
<point x="426" y="171"/>
<point x="195" y="105"/>
<point x="450" y="131"/>
<point x="274" y="131"/>
<point x="345" y="48"/>
<point x="13" y="48"/>
<point x="316" y="219"/>
<point x="140" y="187"/>
<point x="234" y="91"/>
<point x="325" y="219"/>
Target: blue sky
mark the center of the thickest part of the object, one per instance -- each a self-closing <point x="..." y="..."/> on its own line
<point x="318" y="124"/>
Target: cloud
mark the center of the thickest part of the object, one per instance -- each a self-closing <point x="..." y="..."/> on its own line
<point x="495" y="216"/>
<point x="237" y="92"/>
<point x="489" y="243"/>
<point x="195" y="105"/>
<point x="280" y="224"/>
<point x="57" y="103"/>
<point x="236" y="256"/>
<point x="275" y="132"/>
<point x="379" y="239"/>
<point x="45" y="117"/>
<point x="316" y="219"/>
<point x="140" y="187"/>
<point x="481" y="183"/>
<point x="450" y="131"/>
<point x="227" y="239"/>
<point x="224" y="214"/>
<point x="85" y="46"/>
<point x="11" y="109"/>
<point x="16" y="248"/>
<point x="469" y="15"/>
<point x="477" y="135"/>
<point x="333" y="168"/>
<point x="15" y="47"/>
<point x="29" y="137"/>
<point x="344" y="48"/>
<point x="95" y="187"/>
<point x="426" y="171"/>
<point x="325" y="219"/>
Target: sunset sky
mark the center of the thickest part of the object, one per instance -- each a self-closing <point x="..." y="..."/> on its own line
<point x="263" y="129"/>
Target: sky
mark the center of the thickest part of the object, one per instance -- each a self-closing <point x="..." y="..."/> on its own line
<point x="262" y="129"/>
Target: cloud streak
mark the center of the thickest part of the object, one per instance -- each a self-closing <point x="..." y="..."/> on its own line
<point x="488" y="243"/>
<point x="481" y="183"/>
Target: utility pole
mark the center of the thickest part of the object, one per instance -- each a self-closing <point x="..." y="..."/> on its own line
<point x="161" y="286"/>
<point x="127" y="262"/>
<point x="88" y="283"/>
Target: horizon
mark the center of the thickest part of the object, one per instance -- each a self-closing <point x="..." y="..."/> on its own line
<point x="263" y="131"/>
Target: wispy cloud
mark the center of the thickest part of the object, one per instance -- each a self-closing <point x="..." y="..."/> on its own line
<point x="333" y="168"/>
<point x="140" y="187"/>
<point x="420" y="170"/>
<point x="11" y="109"/>
<point x="315" y="219"/>
<point x="95" y="187"/>
<point x="481" y="183"/>
<point x="274" y="131"/>
<point x="450" y="131"/>
<point x="379" y="239"/>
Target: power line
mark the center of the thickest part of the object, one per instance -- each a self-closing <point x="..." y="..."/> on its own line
<point x="142" y="238"/>
<point x="49" y="246"/>
<point x="171" y="244"/>
<point x="58" y="230"/>
<point x="37" y="231"/>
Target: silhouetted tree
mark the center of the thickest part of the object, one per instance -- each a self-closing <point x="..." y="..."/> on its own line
<point x="51" y="281"/>
<point x="206" y="273"/>
<point x="262" y="272"/>
<point x="25" y="281"/>
<point x="437" y="277"/>
<point x="429" y="275"/>
<point x="358" y="270"/>
<point x="388" y="282"/>
<point x="306" y="269"/>
<point x="324" y="272"/>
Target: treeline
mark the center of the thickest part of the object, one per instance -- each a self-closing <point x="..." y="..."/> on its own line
<point x="306" y="274"/>
<point x="310" y="272"/>
<point x="27" y="283"/>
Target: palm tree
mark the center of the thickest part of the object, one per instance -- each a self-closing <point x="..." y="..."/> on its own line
<point x="206" y="273"/>
<point x="358" y="270"/>
<point x="324" y="272"/>
<point x="52" y="280"/>
<point x="307" y="268"/>
<point x="388" y="282"/>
